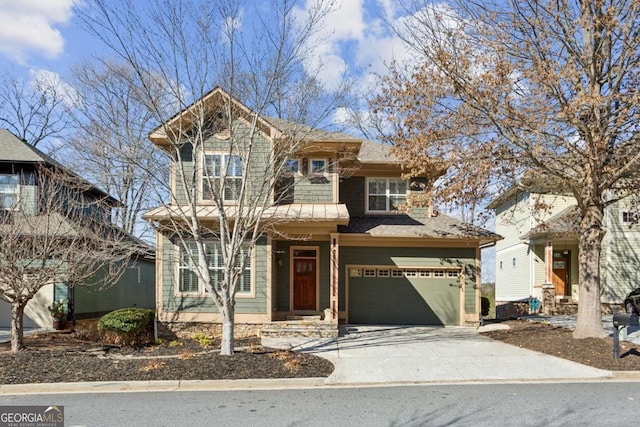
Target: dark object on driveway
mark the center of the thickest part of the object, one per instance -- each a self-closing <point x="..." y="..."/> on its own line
<point x="632" y="302"/>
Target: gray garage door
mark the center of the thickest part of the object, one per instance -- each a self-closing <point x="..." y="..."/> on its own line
<point x="404" y="300"/>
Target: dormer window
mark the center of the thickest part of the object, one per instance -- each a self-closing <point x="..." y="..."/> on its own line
<point x="317" y="166"/>
<point x="217" y="166"/>
<point x="386" y="194"/>
<point x="9" y="191"/>
<point x="630" y="217"/>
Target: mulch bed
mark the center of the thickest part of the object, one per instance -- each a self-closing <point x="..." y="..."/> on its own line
<point x="558" y="341"/>
<point x="63" y="357"/>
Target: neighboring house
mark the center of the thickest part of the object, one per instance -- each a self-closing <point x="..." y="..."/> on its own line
<point x="342" y="243"/>
<point x="538" y="257"/>
<point x="20" y="185"/>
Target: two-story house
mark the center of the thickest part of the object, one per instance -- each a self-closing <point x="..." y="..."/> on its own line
<point x="24" y="192"/>
<point x="538" y="257"/>
<point x="341" y="245"/>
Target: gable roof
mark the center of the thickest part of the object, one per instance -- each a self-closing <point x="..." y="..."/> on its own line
<point x="565" y="223"/>
<point x="529" y="185"/>
<point x="15" y="150"/>
<point x="376" y="152"/>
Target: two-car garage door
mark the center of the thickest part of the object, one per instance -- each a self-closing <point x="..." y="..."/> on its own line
<point x="396" y="296"/>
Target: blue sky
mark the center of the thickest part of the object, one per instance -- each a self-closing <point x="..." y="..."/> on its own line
<point x="44" y="36"/>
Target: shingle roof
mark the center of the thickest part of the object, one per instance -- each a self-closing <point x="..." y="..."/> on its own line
<point x="309" y="133"/>
<point x="564" y="223"/>
<point x="16" y="150"/>
<point x="440" y="227"/>
<point x="375" y="152"/>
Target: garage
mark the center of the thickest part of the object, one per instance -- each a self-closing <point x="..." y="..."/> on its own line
<point x="409" y="296"/>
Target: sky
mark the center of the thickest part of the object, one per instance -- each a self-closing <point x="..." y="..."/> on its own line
<point x="44" y="38"/>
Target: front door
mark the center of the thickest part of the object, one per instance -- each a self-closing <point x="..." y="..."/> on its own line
<point x="304" y="284"/>
<point x="561" y="273"/>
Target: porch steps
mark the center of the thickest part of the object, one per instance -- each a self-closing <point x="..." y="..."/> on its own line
<point x="314" y="328"/>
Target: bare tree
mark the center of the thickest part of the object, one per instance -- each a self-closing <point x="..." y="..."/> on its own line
<point x="255" y="57"/>
<point x="540" y="87"/>
<point x="110" y="143"/>
<point x="33" y="109"/>
<point x="61" y="234"/>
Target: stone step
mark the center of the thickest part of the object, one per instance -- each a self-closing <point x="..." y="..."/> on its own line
<point x="299" y="329"/>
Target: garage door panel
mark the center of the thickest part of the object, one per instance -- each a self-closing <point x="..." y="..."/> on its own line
<point x="403" y="301"/>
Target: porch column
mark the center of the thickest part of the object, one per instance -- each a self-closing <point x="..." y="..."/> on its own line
<point x="333" y="297"/>
<point x="548" y="262"/>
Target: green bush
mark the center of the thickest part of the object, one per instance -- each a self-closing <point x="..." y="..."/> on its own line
<point x="127" y="326"/>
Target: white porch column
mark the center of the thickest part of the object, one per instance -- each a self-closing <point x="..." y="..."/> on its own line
<point x="335" y="272"/>
<point x="548" y="262"/>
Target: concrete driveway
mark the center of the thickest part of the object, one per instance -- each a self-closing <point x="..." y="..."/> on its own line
<point x="408" y="354"/>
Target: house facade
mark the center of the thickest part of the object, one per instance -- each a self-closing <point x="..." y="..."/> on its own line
<point x="21" y="186"/>
<point x="339" y="246"/>
<point x="538" y="257"/>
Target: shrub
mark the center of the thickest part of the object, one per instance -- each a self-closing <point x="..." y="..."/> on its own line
<point x="127" y="326"/>
<point x="203" y="340"/>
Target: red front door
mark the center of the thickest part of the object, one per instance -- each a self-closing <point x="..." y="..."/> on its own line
<point x="304" y="284"/>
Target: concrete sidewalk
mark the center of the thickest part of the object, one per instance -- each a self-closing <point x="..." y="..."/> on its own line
<point x="396" y="354"/>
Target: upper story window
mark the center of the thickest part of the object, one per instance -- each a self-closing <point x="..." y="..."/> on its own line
<point x="292" y="166"/>
<point x="385" y="194"/>
<point x="630" y="217"/>
<point x="317" y="166"/>
<point x="9" y="191"/>
<point x="217" y="166"/>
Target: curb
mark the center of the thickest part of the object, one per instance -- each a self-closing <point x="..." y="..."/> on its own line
<point x="160" y="386"/>
<point x="270" y="384"/>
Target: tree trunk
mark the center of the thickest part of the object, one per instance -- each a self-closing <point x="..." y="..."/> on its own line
<point x="589" y="323"/>
<point x="226" y="347"/>
<point x="17" y="330"/>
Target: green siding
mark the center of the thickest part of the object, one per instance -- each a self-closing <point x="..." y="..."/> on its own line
<point x="172" y="301"/>
<point x="282" y="282"/>
<point x="415" y="301"/>
<point x="136" y="288"/>
<point x="313" y="189"/>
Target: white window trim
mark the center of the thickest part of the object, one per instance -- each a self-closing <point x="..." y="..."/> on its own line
<point x="325" y="169"/>
<point x="201" y="293"/>
<point x="18" y="193"/>
<point x="289" y="173"/>
<point x="387" y="194"/>
<point x="224" y="156"/>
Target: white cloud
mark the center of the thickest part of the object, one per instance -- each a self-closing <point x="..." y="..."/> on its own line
<point x="50" y="80"/>
<point x="28" y="27"/>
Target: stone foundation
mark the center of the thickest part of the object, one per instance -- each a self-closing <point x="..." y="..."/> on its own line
<point x="511" y="309"/>
<point x="181" y="330"/>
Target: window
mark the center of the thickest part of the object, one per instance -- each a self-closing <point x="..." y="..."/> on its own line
<point x="396" y="273"/>
<point x="438" y="273"/>
<point x="453" y="273"/>
<point x="411" y="273"/>
<point x="217" y="166"/>
<point x="630" y="217"/>
<point x="425" y="273"/>
<point x="369" y="272"/>
<point x="383" y="272"/>
<point x="317" y="166"/>
<point x="386" y="194"/>
<point x="188" y="278"/>
<point x="9" y="191"/>
<point x="291" y="166"/>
